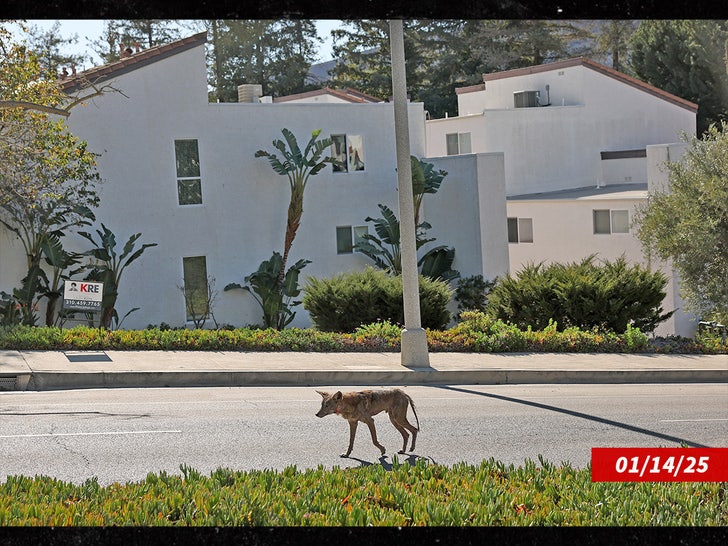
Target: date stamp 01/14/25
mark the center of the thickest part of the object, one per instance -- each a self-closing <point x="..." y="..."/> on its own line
<point x="659" y="464"/>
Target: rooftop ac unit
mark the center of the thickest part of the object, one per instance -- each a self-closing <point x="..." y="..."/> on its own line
<point x="249" y="92"/>
<point x="525" y="99"/>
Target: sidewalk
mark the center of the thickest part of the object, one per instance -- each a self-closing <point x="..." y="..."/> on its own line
<point x="59" y="370"/>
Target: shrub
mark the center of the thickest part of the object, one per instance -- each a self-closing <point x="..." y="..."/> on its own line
<point x="344" y="302"/>
<point x="586" y="295"/>
<point x="471" y="293"/>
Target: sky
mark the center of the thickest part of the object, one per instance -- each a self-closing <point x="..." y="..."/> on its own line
<point x="89" y="30"/>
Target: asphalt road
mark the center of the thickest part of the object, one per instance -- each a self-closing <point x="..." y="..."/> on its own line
<point x="120" y="435"/>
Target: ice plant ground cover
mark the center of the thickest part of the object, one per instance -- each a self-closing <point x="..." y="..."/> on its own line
<point x="416" y="494"/>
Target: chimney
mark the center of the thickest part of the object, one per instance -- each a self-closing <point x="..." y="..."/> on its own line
<point x="250" y="92"/>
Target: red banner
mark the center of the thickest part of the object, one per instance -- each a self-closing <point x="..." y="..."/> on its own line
<point x="659" y="464"/>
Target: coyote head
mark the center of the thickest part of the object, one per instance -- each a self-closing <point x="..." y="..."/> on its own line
<point x="329" y="404"/>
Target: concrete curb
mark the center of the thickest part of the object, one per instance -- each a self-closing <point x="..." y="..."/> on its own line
<point x="46" y="381"/>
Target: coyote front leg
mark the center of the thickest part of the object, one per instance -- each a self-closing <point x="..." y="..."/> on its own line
<point x="352" y="434"/>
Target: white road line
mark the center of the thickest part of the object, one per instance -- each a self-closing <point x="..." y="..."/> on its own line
<point x="689" y="420"/>
<point x="121" y="432"/>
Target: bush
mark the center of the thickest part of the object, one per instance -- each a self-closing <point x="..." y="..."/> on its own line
<point x="585" y="295"/>
<point x="471" y="293"/>
<point x="344" y="302"/>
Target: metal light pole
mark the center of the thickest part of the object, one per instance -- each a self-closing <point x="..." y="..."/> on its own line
<point x="414" y="341"/>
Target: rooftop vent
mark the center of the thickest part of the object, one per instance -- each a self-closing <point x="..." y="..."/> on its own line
<point x="525" y="99"/>
<point x="250" y="92"/>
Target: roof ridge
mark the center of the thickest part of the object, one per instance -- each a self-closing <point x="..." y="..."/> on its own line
<point x="593" y="65"/>
<point x="136" y="60"/>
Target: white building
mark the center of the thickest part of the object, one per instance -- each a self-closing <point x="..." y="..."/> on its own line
<point x="182" y="171"/>
<point x="545" y="164"/>
<point x="581" y="144"/>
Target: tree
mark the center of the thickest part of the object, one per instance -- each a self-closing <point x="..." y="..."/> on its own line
<point x="48" y="46"/>
<point x="443" y="55"/>
<point x="507" y="44"/>
<point x="127" y="33"/>
<point x="47" y="175"/>
<point x="51" y="178"/>
<point x="276" y="54"/>
<point x="688" y="223"/>
<point x="26" y="88"/>
<point x="363" y="50"/>
<point x="686" y="58"/>
<point x="613" y="41"/>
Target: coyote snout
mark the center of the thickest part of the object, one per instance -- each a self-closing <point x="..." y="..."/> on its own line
<point x="360" y="406"/>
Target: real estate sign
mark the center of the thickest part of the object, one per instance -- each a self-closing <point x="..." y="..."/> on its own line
<point x="83" y="295"/>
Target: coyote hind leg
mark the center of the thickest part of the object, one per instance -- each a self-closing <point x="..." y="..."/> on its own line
<point x="373" y="431"/>
<point x="402" y="431"/>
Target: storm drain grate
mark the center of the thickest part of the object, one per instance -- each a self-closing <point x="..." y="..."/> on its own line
<point x="7" y="383"/>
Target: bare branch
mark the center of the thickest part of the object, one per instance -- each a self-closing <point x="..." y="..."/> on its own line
<point x="66" y="110"/>
<point x="7" y="104"/>
<point x="97" y="91"/>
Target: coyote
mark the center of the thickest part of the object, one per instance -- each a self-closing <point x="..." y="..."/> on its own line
<point x="360" y="406"/>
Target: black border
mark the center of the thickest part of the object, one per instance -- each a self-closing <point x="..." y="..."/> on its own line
<point x="371" y="9"/>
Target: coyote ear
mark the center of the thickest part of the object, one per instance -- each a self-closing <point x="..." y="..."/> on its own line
<point x="323" y="393"/>
<point x="338" y="396"/>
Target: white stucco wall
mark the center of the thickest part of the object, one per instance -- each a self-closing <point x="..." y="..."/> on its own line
<point x="556" y="147"/>
<point x="473" y="188"/>
<point x="243" y="215"/>
<point x="563" y="231"/>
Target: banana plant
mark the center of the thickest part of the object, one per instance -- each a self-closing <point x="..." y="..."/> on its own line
<point x="32" y="284"/>
<point x="298" y="166"/>
<point x="109" y="267"/>
<point x="275" y="301"/>
<point x="425" y="179"/>
<point x="384" y="249"/>
<point x="60" y="261"/>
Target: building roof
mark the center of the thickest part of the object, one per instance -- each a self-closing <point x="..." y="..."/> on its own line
<point x="610" y="191"/>
<point x="347" y="94"/>
<point x="587" y="63"/>
<point x="131" y="62"/>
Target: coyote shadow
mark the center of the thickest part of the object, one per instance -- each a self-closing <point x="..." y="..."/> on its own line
<point x="410" y="459"/>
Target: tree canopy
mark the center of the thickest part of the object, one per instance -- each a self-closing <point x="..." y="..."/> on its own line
<point x="686" y="58"/>
<point x="47" y="175"/>
<point x="276" y="54"/>
<point x="688" y="223"/>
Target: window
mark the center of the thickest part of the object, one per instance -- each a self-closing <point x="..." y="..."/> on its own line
<point x="348" y="236"/>
<point x="196" y="288"/>
<point x="458" y="143"/>
<point x="611" y="221"/>
<point x="189" y="185"/>
<point x="520" y="230"/>
<point x="349" y="152"/>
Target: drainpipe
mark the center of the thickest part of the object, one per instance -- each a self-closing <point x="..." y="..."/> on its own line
<point x="414" y="341"/>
